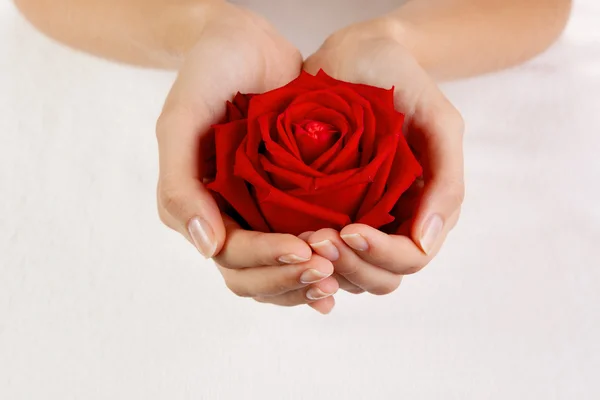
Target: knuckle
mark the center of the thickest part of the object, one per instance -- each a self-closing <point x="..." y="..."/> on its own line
<point x="457" y="122"/>
<point x="414" y="269"/>
<point x="454" y="192"/>
<point x="164" y="217"/>
<point x="162" y="123"/>
<point x="452" y="120"/>
<point x="237" y="289"/>
<point x="355" y="290"/>
<point x="276" y="289"/>
<point x="162" y="212"/>
<point x="171" y="113"/>
<point x="288" y="238"/>
<point x="457" y="193"/>
<point x="170" y="200"/>
<point x="386" y="287"/>
<point x="322" y="234"/>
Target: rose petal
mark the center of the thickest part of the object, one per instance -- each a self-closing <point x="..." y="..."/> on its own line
<point x="228" y="138"/>
<point x="286" y="138"/>
<point x="314" y="138"/>
<point x="329" y="116"/>
<point x="405" y="169"/>
<point x="346" y="200"/>
<point x="300" y="112"/>
<point x="277" y="154"/>
<point x="349" y="155"/>
<point x="323" y="99"/>
<point x="239" y="106"/>
<point x="378" y="187"/>
<point x="405" y="209"/>
<point x="287" y="214"/>
<point x="346" y="190"/>
<point x="286" y="132"/>
<point x="283" y="212"/>
<point x="284" y="179"/>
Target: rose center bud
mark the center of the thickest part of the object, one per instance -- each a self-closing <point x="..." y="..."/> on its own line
<point x="314" y="138"/>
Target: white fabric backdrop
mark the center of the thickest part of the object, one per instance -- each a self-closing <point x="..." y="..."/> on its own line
<point x="99" y="301"/>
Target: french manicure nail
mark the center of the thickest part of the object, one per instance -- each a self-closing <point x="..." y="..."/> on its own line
<point x="326" y="249"/>
<point x="431" y="230"/>
<point x="312" y="276"/>
<point x="202" y="236"/>
<point x="316" y="294"/>
<point x="292" y="259"/>
<point x="356" y="241"/>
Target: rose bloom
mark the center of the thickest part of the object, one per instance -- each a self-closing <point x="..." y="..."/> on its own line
<point x="316" y="153"/>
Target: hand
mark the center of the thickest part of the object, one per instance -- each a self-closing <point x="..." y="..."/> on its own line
<point x="366" y="258"/>
<point x="237" y="51"/>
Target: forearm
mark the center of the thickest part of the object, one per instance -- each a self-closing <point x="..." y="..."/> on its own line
<point x="458" y="38"/>
<point x="153" y="33"/>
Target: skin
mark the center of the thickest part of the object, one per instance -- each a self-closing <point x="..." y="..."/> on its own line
<point x="206" y="40"/>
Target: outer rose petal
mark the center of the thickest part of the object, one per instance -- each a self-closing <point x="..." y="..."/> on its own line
<point x="403" y="173"/>
<point x="405" y="209"/>
<point x="233" y="189"/>
<point x="380" y="182"/>
<point x="238" y="108"/>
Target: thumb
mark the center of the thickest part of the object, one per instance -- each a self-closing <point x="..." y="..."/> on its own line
<point x="189" y="208"/>
<point x="184" y="204"/>
<point x="438" y="128"/>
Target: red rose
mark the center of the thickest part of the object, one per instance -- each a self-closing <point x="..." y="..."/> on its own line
<point x="316" y="153"/>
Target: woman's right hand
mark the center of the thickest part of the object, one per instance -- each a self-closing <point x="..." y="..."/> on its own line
<point x="236" y="51"/>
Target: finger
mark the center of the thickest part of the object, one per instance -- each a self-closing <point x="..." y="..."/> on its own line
<point x="320" y="290"/>
<point x="245" y="249"/>
<point x="369" y="277"/>
<point x="436" y="131"/>
<point x="344" y="283"/>
<point x="276" y="280"/>
<point x="397" y="254"/>
<point x="348" y="286"/>
<point x="304" y="236"/>
<point x="324" y="306"/>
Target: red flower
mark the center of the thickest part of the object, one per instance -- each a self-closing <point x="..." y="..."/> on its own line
<point x="316" y="153"/>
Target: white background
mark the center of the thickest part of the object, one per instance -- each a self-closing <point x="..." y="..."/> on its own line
<point x="99" y="301"/>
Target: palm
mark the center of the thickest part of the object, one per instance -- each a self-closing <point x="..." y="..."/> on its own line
<point x="377" y="61"/>
<point x="253" y="62"/>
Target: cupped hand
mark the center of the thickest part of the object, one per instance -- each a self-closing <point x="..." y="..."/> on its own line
<point x="366" y="259"/>
<point x="236" y="51"/>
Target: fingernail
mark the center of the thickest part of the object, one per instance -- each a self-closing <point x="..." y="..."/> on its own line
<point x="292" y="259"/>
<point x="356" y="241"/>
<point x="316" y="294"/>
<point x="203" y="236"/>
<point x="326" y="249"/>
<point x="312" y="276"/>
<point x="431" y="231"/>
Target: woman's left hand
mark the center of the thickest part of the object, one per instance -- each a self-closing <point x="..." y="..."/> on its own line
<point x="364" y="258"/>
